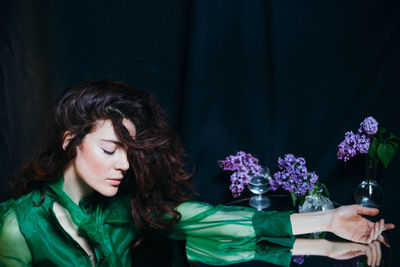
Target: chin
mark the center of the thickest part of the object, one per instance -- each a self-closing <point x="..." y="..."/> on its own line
<point x="109" y="192"/>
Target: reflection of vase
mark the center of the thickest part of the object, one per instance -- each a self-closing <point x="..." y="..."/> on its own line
<point x="259" y="184"/>
<point x="369" y="193"/>
<point x="316" y="202"/>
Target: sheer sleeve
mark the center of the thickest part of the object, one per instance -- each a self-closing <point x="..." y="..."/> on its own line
<point x="229" y="234"/>
<point x="13" y="248"/>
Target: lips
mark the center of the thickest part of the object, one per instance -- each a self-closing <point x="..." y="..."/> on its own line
<point x="114" y="181"/>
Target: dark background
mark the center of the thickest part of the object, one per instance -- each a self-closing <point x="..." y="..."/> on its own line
<point x="266" y="77"/>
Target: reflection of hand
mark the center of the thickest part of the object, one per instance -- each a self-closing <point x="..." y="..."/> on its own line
<point x="347" y="222"/>
<point x="348" y="250"/>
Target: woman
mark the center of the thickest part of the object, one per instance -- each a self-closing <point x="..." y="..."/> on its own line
<point x="113" y="167"/>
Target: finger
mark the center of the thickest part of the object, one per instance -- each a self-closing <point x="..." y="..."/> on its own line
<point x="383" y="240"/>
<point x="377" y="230"/>
<point x="371" y="235"/>
<point x="369" y="255"/>
<point x="389" y="226"/>
<point x="367" y="211"/>
<point x="373" y="254"/>
<point x="378" y="253"/>
<point x="381" y="226"/>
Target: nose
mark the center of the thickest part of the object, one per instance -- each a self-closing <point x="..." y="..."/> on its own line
<point x="122" y="162"/>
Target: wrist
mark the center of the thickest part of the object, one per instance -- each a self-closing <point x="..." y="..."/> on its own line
<point x="327" y="220"/>
<point x="328" y="247"/>
<point x="318" y="247"/>
<point x="311" y="222"/>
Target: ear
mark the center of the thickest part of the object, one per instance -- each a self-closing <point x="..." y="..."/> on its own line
<point x="67" y="138"/>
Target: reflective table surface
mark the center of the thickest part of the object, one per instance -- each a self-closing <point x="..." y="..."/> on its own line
<point x="281" y="202"/>
<point x="145" y="255"/>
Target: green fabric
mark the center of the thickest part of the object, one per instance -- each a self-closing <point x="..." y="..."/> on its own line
<point x="40" y="240"/>
<point x="30" y="233"/>
<point x="230" y="234"/>
<point x="88" y="224"/>
<point x="14" y="251"/>
<point x="273" y="228"/>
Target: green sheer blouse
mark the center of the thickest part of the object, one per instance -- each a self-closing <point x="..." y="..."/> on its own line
<point x="30" y="234"/>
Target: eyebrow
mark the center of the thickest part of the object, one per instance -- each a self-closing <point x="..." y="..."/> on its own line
<point x="113" y="141"/>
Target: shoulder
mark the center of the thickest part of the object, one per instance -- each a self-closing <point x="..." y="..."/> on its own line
<point x="14" y="248"/>
<point x="7" y="212"/>
<point x="18" y="209"/>
<point x="8" y="220"/>
<point x="10" y="209"/>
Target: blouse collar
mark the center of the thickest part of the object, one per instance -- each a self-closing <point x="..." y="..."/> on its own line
<point x="89" y="223"/>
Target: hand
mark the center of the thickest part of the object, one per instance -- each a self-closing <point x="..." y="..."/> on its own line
<point x="347" y="222"/>
<point x="348" y="250"/>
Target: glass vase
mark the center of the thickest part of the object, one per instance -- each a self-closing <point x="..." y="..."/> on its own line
<point x="316" y="202"/>
<point x="313" y="203"/>
<point x="259" y="185"/>
<point x="369" y="193"/>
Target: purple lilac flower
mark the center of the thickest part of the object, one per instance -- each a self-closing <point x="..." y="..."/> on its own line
<point x="368" y="126"/>
<point x="293" y="175"/>
<point x="354" y="144"/>
<point x="363" y="143"/>
<point x="348" y="147"/>
<point x="244" y="166"/>
<point x="298" y="259"/>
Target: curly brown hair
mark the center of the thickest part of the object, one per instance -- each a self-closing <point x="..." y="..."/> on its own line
<point x="156" y="179"/>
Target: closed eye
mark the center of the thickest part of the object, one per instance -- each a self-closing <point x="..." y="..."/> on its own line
<point x="108" y="152"/>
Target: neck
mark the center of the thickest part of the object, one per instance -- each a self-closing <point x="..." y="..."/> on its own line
<point x="74" y="186"/>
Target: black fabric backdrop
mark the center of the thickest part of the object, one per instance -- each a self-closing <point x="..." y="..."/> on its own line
<point x="266" y="77"/>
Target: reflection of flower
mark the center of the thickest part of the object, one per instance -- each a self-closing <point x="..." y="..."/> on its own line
<point x="369" y="139"/>
<point x="244" y="166"/>
<point x="298" y="259"/>
<point x="293" y="175"/>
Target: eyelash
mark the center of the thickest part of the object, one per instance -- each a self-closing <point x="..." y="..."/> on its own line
<point x="108" y="152"/>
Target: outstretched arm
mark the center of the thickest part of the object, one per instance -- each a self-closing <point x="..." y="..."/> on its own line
<point x="346" y="222"/>
<point x="338" y="250"/>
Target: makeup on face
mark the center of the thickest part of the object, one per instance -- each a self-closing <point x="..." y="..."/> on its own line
<point x="101" y="160"/>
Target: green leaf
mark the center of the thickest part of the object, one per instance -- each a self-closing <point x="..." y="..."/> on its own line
<point x="301" y="200"/>
<point x="314" y="191"/>
<point x="381" y="130"/>
<point x="326" y="191"/>
<point x="386" y="153"/>
<point x="396" y="145"/>
<point x="394" y="139"/>
<point x="294" y="198"/>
